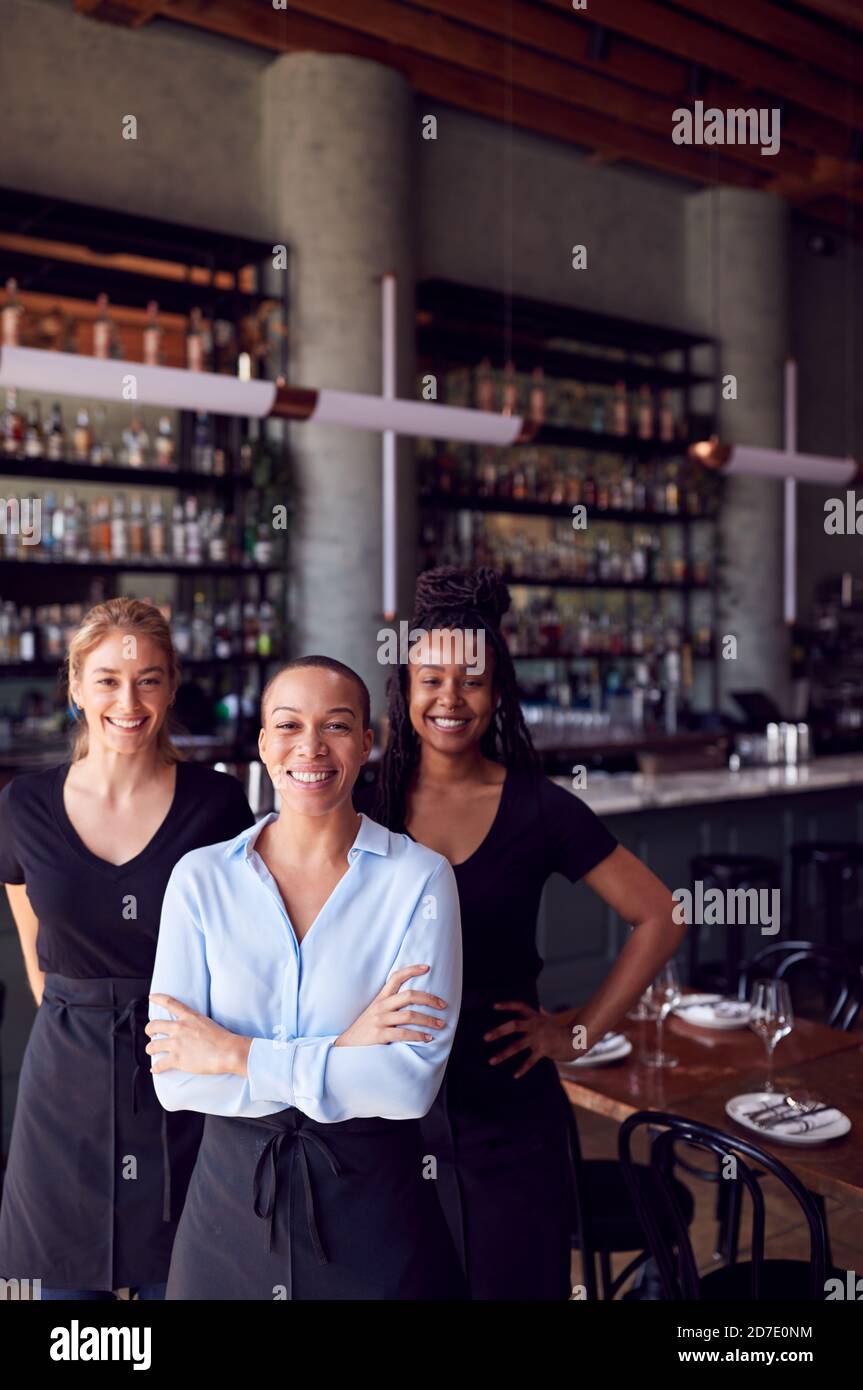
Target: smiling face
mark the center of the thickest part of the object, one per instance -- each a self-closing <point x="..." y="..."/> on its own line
<point x="450" y="704"/>
<point x="124" y="690"/>
<point x="313" y="743"/>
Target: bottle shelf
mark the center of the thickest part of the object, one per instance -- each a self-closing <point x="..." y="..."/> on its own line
<point x="601" y="442"/>
<point x="450" y="501"/>
<point x="12" y="568"/>
<point x="43" y="669"/>
<point x="461" y="344"/>
<point x="634" y="586"/>
<point x="69" y="470"/>
<point x="627" y="655"/>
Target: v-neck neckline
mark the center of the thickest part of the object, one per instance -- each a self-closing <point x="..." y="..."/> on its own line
<point x="484" y="842"/>
<point x="73" y="839"/>
<point x="271" y="883"/>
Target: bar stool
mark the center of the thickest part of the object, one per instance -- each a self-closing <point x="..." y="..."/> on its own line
<point x="835" y="862"/>
<point x="727" y="872"/>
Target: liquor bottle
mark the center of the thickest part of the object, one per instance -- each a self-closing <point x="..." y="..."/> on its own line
<point x="645" y="413"/>
<point x="202" y="629"/>
<point x="266" y="628"/>
<point x="28" y="638"/>
<point x="192" y="531"/>
<point x="487" y="473"/>
<point x="250" y="629"/>
<point x="627" y="488"/>
<point x="666" y="417"/>
<point x="639" y="490"/>
<point x="103" y="330"/>
<point x="100" y="530"/>
<point x="34" y="440"/>
<point x="13" y="424"/>
<point x="224" y="347"/>
<point x="620" y="409"/>
<point x="55" y="443"/>
<point x="615" y="491"/>
<point x="202" y="444"/>
<point x="152" y="336"/>
<point x="217" y="543"/>
<point x="136" y="444"/>
<point x="602" y="490"/>
<point x="672" y="491"/>
<point x="537" y="396"/>
<point x="588" y="490"/>
<point x="222" y="637"/>
<point x="181" y="632"/>
<point x="157" y="534"/>
<point x="597" y="414"/>
<point x="119" y="530"/>
<point x="178" y="533"/>
<point x="263" y="552"/>
<point x="12" y="315"/>
<point x="58" y="533"/>
<point x="82" y="439"/>
<point x="100" y="450"/>
<point x="49" y="512"/>
<point x="165" y="443"/>
<point x="71" y="524"/>
<point x="657" y="491"/>
<point x="136" y="529"/>
<point x="195" y="343"/>
<point x="484" y="386"/>
<point x="510" y="390"/>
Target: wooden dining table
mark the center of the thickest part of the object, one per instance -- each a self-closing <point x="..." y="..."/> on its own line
<point x="714" y="1065"/>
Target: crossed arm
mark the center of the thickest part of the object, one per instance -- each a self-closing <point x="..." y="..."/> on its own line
<point x="388" y="1062"/>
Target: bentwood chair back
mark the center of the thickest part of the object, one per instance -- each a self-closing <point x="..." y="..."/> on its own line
<point x="607" y="1222"/>
<point x="667" y="1228"/>
<point x="799" y="961"/>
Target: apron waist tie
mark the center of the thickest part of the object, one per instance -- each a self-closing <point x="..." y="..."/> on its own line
<point x="268" y="1166"/>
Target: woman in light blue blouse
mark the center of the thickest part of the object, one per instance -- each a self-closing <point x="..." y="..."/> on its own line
<point x="280" y="1008"/>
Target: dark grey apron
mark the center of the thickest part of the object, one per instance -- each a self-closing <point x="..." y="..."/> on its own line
<point x="283" y="1207"/>
<point x="97" y="1170"/>
<point x="506" y="1181"/>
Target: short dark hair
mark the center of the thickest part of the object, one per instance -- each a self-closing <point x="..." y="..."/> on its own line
<point x="326" y="663"/>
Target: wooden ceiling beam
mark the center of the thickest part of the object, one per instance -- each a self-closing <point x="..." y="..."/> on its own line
<point x="132" y="14"/>
<point x="776" y="26"/>
<point x="630" y="62"/>
<point x="842" y="11"/>
<point x="701" y="43"/>
<point x="476" y="92"/>
<point x="486" y="55"/>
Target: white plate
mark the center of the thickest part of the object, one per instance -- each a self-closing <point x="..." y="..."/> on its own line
<point x="832" y="1124"/>
<point x="702" y="1011"/>
<point x="603" y="1052"/>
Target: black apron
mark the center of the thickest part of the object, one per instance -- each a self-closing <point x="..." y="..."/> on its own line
<point x="506" y="1180"/>
<point x="284" y="1207"/>
<point x="97" y="1170"/>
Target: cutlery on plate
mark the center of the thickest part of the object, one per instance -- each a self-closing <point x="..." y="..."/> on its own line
<point x="773" y="1121"/>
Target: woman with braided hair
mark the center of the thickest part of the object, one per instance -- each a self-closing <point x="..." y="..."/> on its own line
<point x="460" y="775"/>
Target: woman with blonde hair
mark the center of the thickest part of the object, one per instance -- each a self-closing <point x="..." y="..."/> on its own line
<point x="97" y="1171"/>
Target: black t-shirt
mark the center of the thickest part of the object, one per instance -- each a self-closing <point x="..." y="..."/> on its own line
<point x="98" y="919"/>
<point x="540" y="829"/>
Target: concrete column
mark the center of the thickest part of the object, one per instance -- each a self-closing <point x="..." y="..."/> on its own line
<point x="737" y="286"/>
<point x="338" y="155"/>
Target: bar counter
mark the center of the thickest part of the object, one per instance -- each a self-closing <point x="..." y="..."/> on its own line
<point x="622" y="792"/>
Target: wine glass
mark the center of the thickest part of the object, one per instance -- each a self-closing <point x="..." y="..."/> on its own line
<point x="771" y="1017"/>
<point x="663" y="995"/>
<point x="641" y="1009"/>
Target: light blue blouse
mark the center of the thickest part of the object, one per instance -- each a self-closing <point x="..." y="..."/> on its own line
<point x="227" y="949"/>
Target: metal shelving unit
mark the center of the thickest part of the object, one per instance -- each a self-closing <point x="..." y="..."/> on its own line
<point x="72" y="251"/>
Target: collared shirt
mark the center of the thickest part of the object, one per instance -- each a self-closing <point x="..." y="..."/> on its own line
<point x="227" y="949"/>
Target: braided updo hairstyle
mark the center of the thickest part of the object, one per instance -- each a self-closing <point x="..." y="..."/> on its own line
<point x="451" y="598"/>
